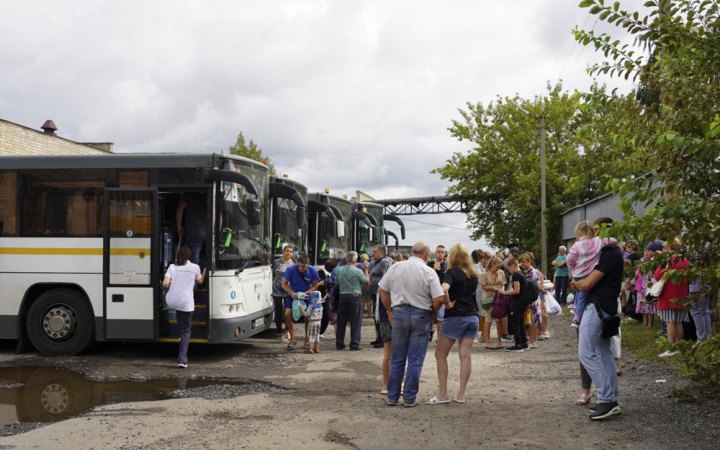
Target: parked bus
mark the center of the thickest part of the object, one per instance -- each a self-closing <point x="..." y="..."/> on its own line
<point x="288" y="200"/>
<point x="368" y="226"/>
<point x="85" y="242"/>
<point x="330" y="227"/>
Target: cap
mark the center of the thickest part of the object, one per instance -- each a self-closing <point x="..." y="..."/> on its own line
<point x="655" y="246"/>
<point x="303" y="259"/>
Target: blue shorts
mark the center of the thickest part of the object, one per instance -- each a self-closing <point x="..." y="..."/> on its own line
<point x="460" y="327"/>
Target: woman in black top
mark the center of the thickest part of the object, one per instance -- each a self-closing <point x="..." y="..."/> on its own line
<point x="461" y="321"/>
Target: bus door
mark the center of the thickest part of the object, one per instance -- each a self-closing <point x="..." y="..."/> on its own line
<point x="131" y="245"/>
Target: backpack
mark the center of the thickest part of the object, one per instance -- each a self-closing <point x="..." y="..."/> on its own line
<point x="529" y="292"/>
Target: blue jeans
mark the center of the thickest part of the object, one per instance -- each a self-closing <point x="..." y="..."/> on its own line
<point x="410" y="329"/>
<point x="596" y="356"/>
<point x="195" y="239"/>
<point x="579" y="302"/>
<point x="349" y="312"/>
<point x="701" y="316"/>
<point x="184" y="324"/>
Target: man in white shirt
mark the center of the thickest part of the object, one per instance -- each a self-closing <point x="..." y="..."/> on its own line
<point x="411" y="292"/>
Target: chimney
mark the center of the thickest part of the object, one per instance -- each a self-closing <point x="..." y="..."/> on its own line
<point x="49" y="127"/>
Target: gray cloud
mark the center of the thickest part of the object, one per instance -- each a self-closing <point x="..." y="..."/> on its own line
<point x="341" y="94"/>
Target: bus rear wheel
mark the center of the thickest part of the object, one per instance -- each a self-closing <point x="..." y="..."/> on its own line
<point x="60" y="323"/>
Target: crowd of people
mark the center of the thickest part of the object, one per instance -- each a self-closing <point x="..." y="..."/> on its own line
<point x="456" y="296"/>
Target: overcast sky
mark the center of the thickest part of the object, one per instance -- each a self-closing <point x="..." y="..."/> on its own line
<point x="341" y="94"/>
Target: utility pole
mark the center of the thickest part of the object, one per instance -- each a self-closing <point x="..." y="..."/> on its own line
<point x="543" y="200"/>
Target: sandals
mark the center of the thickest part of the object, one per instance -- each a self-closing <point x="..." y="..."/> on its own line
<point x="436" y="401"/>
<point x="583" y="400"/>
<point x="457" y="400"/>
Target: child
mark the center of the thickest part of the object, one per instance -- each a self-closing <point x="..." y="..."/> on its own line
<point x="582" y="259"/>
<point x="314" y="313"/>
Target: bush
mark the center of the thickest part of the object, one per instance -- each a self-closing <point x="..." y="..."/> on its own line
<point x="701" y="362"/>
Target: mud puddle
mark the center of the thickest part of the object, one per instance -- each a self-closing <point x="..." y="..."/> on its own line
<point x="32" y="396"/>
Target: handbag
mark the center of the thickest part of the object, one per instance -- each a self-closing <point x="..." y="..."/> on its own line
<point x="500" y="307"/>
<point x="656" y="289"/>
<point x="610" y="323"/>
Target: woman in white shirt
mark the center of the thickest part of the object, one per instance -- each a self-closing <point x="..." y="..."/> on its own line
<point x="181" y="278"/>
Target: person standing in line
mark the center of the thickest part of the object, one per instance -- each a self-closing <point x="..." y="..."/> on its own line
<point x="642" y="284"/>
<point x="491" y="281"/>
<point x="518" y="305"/>
<point x="439" y="265"/>
<point x="602" y="285"/>
<point x="410" y="292"/>
<point x="561" y="279"/>
<point x="482" y="257"/>
<point x="671" y="307"/>
<point x="378" y="267"/>
<point x="191" y="223"/>
<point x="280" y="265"/>
<point x="350" y="279"/>
<point x="298" y="280"/>
<point x="181" y="278"/>
<point x="461" y="322"/>
<point x="328" y="283"/>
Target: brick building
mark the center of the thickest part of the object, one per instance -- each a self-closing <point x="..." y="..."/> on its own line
<point x="20" y="140"/>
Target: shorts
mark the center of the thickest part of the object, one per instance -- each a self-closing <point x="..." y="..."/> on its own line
<point x="487" y="313"/>
<point x="385" y="331"/>
<point x="460" y="327"/>
<point x="288" y="303"/>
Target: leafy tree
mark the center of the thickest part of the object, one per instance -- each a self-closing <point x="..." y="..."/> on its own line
<point x="502" y="170"/>
<point x="676" y="61"/>
<point x="251" y="150"/>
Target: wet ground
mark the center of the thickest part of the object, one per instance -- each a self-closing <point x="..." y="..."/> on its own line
<point x="260" y="395"/>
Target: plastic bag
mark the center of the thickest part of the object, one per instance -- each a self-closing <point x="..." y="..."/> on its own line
<point x="298" y="307"/>
<point x="552" y="307"/>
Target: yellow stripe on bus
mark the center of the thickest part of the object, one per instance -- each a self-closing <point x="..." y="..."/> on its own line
<point x="72" y="251"/>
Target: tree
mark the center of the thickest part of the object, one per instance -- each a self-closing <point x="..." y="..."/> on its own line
<point x="251" y="150"/>
<point x="502" y="170"/>
<point x="676" y="60"/>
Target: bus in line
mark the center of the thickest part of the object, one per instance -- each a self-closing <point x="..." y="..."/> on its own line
<point x="85" y="242"/>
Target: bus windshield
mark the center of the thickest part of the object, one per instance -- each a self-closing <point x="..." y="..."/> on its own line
<point x="242" y="237"/>
<point x="287" y="228"/>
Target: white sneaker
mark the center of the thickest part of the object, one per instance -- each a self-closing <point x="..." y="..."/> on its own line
<point x="665" y="354"/>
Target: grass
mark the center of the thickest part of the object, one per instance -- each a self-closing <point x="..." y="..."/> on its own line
<point x="641" y="341"/>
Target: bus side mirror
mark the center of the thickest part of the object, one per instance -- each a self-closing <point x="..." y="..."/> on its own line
<point x="340" y="229"/>
<point x="371" y="236"/>
<point x="253" y="211"/>
<point x="225" y="237"/>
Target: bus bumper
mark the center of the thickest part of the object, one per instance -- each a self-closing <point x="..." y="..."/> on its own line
<point x="238" y="328"/>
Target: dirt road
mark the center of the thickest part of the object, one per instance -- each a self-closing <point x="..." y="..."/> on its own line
<point x="331" y="400"/>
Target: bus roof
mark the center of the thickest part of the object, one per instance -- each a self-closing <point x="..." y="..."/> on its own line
<point x="320" y="195"/>
<point x="121" y="161"/>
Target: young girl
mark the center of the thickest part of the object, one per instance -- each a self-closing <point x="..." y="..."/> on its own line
<point x="314" y="313"/>
<point x="582" y="259"/>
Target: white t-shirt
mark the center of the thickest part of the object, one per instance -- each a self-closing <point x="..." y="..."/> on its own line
<point x="413" y="283"/>
<point x="180" y="294"/>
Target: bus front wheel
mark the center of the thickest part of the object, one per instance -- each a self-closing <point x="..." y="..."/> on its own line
<point x="60" y="323"/>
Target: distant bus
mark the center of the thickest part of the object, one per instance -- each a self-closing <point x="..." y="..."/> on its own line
<point x="288" y="200"/>
<point x="85" y="242"/>
<point x="330" y="227"/>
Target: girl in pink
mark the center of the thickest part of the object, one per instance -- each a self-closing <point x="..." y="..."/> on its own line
<point x="584" y="255"/>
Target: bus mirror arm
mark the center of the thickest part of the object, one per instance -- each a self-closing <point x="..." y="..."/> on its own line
<point x="394" y="218"/>
<point x="279" y="190"/>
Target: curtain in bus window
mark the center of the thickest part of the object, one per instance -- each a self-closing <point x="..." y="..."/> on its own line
<point x="62" y="208"/>
<point x="8" y="200"/>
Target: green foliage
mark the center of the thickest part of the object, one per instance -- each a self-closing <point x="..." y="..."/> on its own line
<point x="676" y="60"/>
<point x="502" y="169"/>
<point x="251" y="150"/>
<point x="701" y="362"/>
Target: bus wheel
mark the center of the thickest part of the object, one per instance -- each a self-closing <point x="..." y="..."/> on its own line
<point x="60" y="323"/>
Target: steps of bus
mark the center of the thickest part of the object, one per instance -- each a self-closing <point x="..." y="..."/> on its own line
<point x="199" y="330"/>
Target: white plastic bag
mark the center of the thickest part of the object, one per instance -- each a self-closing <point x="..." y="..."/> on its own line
<point x="552" y="307"/>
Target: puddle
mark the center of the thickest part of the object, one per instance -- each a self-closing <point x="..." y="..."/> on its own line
<point x="30" y="396"/>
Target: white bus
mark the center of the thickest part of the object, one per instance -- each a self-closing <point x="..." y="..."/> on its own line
<point x="85" y="242"/>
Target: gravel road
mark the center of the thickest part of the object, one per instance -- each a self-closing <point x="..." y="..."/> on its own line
<point x="331" y="400"/>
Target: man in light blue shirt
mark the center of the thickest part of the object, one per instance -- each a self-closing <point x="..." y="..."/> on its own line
<point x="350" y="279"/>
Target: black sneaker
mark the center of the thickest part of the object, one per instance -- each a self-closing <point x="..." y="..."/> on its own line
<point x="410" y="403"/>
<point x="380" y="344"/>
<point x="605" y="410"/>
<point x="375" y="342"/>
<point x="515" y="349"/>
